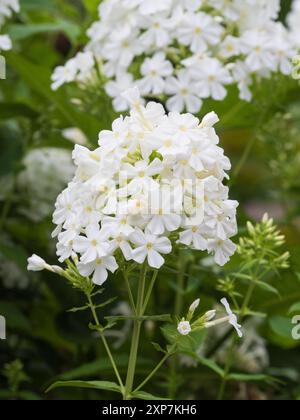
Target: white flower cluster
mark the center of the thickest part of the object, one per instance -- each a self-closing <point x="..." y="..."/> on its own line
<point x="7" y="8"/>
<point x="293" y="21"/>
<point x="155" y="180"/>
<point x="46" y="172"/>
<point x="182" y="51"/>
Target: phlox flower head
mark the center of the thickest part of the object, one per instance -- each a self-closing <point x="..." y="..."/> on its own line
<point x="183" y="51"/>
<point x="154" y="183"/>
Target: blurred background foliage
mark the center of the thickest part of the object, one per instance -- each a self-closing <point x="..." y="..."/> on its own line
<point x="45" y="342"/>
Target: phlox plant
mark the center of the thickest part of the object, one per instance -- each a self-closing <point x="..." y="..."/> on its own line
<point x="154" y="185"/>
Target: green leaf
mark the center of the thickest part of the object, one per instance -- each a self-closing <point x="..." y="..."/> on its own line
<point x="104" y="385"/>
<point x="295" y="308"/>
<point x="79" y="309"/>
<point x="15" y="319"/>
<point x="188" y="343"/>
<point x="267" y="287"/>
<point x="159" y="348"/>
<point x="281" y="326"/>
<point x="14" y="253"/>
<point x="11" y="150"/>
<point x="37" y="4"/>
<point x="107" y="302"/>
<point x="29" y="396"/>
<point x="101" y="365"/>
<point x="281" y="331"/>
<point x="91" y="5"/>
<point x="162" y="318"/>
<point x="15" y="109"/>
<point x="243" y="377"/>
<point x="38" y="78"/>
<point x="142" y="395"/>
<point x="208" y="363"/>
<point x="19" y="31"/>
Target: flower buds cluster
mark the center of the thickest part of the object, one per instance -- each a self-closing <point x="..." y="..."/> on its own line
<point x="186" y="326"/>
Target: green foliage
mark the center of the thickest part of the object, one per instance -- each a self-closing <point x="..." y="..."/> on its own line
<point x="49" y="341"/>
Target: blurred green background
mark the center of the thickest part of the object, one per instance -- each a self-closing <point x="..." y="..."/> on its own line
<point x="44" y="341"/>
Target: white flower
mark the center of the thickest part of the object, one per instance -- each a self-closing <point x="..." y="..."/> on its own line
<point x="232" y="318"/>
<point x="115" y="88"/>
<point x="5" y="43"/>
<point x="64" y="74"/>
<point x="222" y="249"/>
<point x="194" y="236"/>
<point x="99" y="268"/>
<point x="211" y="79"/>
<point x="140" y="176"/>
<point x="198" y="31"/>
<point x="184" y="328"/>
<point x="182" y="90"/>
<point x="150" y="246"/>
<point x="91" y="246"/>
<point x="154" y="70"/>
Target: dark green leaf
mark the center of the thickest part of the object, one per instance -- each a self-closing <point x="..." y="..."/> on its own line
<point x="104" y="385"/>
<point x="39" y="78"/>
<point x="141" y="395"/>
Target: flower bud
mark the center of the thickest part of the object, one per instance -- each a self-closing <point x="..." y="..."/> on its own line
<point x="194" y="306"/>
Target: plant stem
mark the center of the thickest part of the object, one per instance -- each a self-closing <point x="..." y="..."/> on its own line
<point x="129" y="292"/>
<point x="180" y="285"/>
<point x="150" y="289"/>
<point x="136" y="334"/>
<point x="227" y="370"/>
<point x="157" y="367"/>
<point x="105" y="343"/>
<point x="245" y="156"/>
<point x="177" y="310"/>
<point x="247" y="299"/>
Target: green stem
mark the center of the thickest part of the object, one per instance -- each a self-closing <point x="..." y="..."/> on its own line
<point x="247" y="299"/>
<point x="244" y="156"/>
<point x="227" y="370"/>
<point x="129" y="292"/>
<point x="136" y="334"/>
<point x="105" y="343"/>
<point x="157" y="367"/>
<point x="180" y="286"/>
<point x="150" y="289"/>
<point x="178" y="309"/>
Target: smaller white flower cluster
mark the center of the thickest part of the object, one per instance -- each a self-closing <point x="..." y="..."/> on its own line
<point x="154" y="181"/>
<point x="293" y="21"/>
<point x="46" y="172"/>
<point x="186" y="326"/>
<point x="182" y="51"/>
<point x="7" y="8"/>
